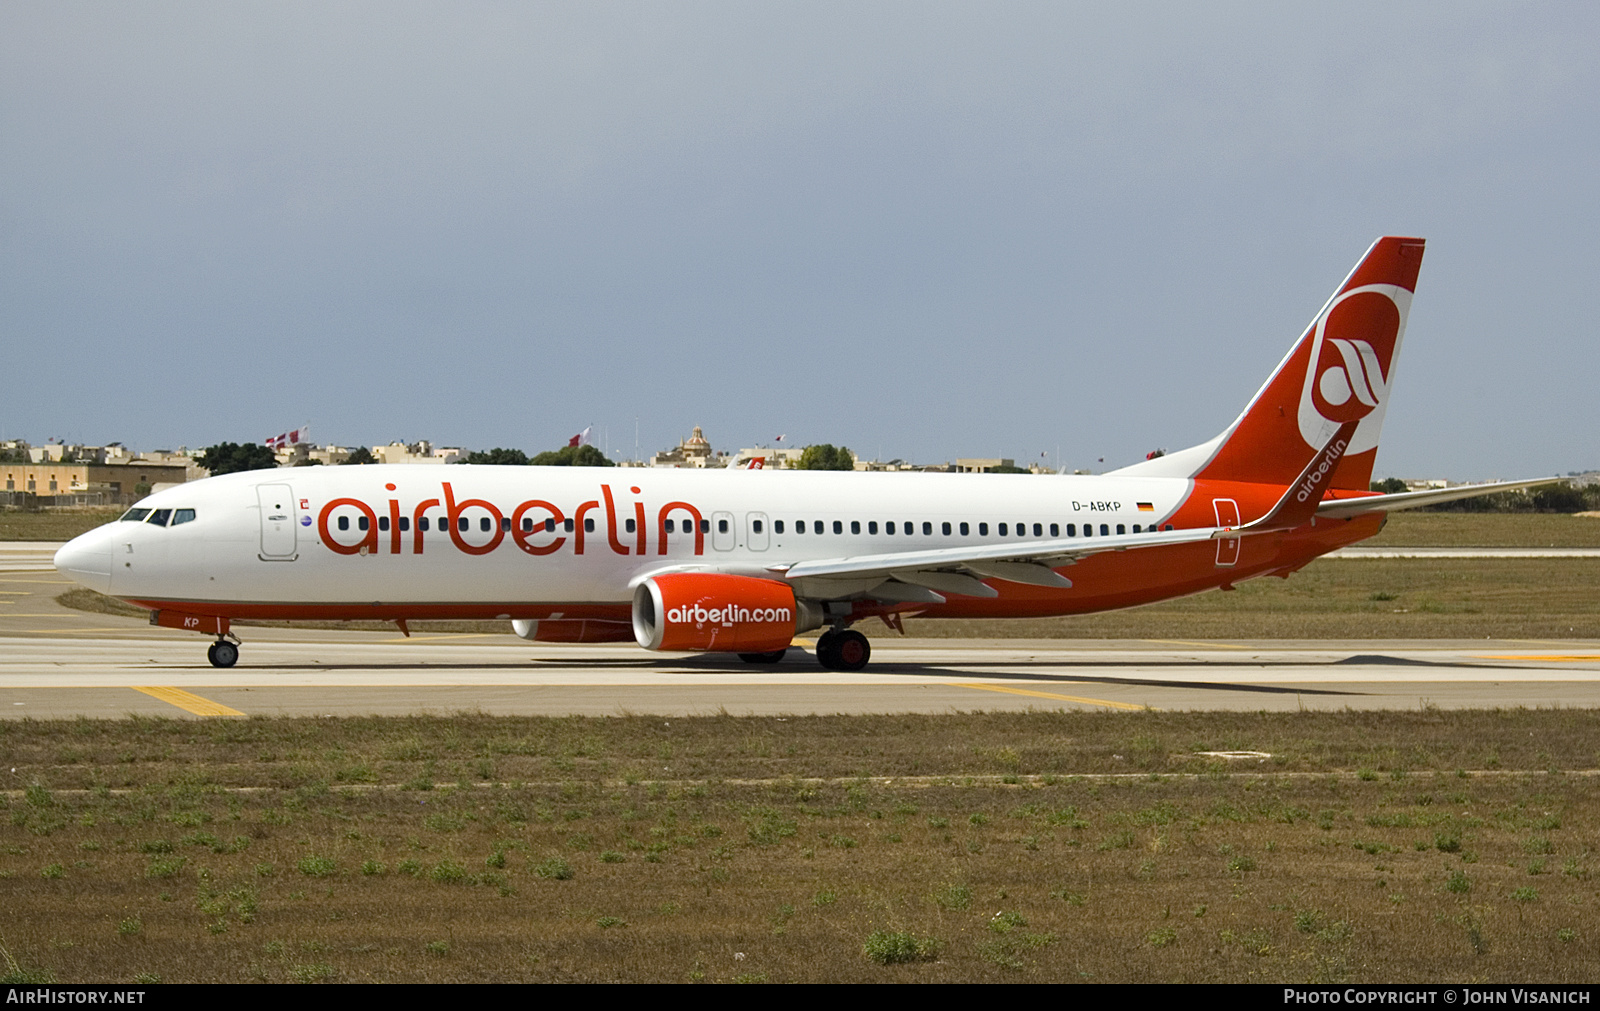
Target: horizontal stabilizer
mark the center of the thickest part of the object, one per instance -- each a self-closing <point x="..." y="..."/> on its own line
<point x="1345" y="508"/>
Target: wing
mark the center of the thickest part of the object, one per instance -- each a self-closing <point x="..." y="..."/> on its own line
<point x="918" y="576"/>
<point x="921" y="576"/>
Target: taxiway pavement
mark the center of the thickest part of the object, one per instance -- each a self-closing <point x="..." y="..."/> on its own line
<point x="56" y="662"/>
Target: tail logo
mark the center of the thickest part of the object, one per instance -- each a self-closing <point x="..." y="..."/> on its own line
<point x="1357" y="374"/>
<point x="1351" y="364"/>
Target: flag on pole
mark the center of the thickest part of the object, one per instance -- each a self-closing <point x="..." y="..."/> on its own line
<point x="294" y="438"/>
<point x="781" y="437"/>
<point x="581" y="439"/>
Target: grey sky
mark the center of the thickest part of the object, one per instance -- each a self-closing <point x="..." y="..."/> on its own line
<point x="917" y="229"/>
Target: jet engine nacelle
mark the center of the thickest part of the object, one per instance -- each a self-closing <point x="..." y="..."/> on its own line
<point x="572" y="630"/>
<point x="715" y="612"/>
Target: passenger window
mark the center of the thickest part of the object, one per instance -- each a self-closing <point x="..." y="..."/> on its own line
<point x="383" y="523"/>
<point x="1121" y="529"/>
<point x="855" y="526"/>
<point x="963" y="530"/>
<point x="872" y="527"/>
<point x="630" y="526"/>
<point x="461" y="524"/>
<point x="135" y="515"/>
<point x="945" y="528"/>
<point x="1105" y="531"/>
<point x="1072" y="529"/>
<point x="1055" y="530"/>
<point x="588" y="526"/>
<point x="838" y="527"/>
<point x="799" y="526"/>
<point x="1002" y="529"/>
<point x="527" y="525"/>
<point x="550" y="525"/>
<point x="722" y="526"/>
<point x="1088" y="530"/>
<point x="182" y="516"/>
<point x="362" y="524"/>
<point x="1168" y="526"/>
<point x="405" y="523"/>
<point x="983" y="530"/>
<point x="1038" y="530"/>
<point x="1022" y="529"/>
<point x="755" y="525"/>
<point x="1136" y="528"/>
<point x="816" y="526"/>
<point x="423" y="524"/>
<point x="777" y="526"/>
<point x="505" y="524"/>
<point x="566" y="525"/>
<point x="705" y="526"/>
<point x="927" y="529"/>
<point x="670" y="525"/>
<point x="888" y="527"/>
<point x="485" y="524"/>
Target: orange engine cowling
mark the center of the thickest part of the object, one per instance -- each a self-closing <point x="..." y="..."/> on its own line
<point x="715" y="612"/>
<point x="572" y="630"/>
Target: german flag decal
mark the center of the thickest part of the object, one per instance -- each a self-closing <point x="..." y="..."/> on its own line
<point x="1146" y="507"/>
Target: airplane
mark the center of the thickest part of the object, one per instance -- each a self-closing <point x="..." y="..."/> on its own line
<point x="743" y="561"/>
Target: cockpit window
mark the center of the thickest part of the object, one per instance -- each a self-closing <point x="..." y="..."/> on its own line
<point x="182" y="516"/>
<point x="135" y="515"/>
<point x="160" y="517"/>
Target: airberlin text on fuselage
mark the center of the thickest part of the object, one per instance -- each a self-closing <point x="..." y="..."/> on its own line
<point x="546" y="533"/>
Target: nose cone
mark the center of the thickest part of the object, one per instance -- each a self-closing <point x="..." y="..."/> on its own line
<point x="87" y="559"/>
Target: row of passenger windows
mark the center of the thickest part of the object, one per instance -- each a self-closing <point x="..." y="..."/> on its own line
<point x="160" y="517"/>
<point x="947" y="529"/>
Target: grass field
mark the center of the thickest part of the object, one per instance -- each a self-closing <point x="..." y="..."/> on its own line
<point x="1448" y="846"/>
<point x="53" y="524"/>
<point x="1488" y="530"/>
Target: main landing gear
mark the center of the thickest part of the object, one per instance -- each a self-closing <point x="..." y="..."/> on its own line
<point x="843" y="649"/>
<point x="223" y="653"/>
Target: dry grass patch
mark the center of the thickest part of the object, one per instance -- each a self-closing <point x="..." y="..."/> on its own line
<point x="1036" y="846"/>
<point x="1488" y="530"/>
<point x="52" y="524"/>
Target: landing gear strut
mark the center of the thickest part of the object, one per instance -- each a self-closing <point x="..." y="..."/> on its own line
<point x="223" y="653"/>
<point x="843" y="649"/>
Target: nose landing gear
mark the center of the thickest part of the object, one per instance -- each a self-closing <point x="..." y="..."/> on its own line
<point x="843" y="649"/>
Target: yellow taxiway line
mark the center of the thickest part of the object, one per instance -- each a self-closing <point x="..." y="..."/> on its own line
<point x="187" y="701"/>
<point x="1052" y="695"/>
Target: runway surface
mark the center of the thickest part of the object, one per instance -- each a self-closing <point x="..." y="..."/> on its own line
<point x="60" y="663"/>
